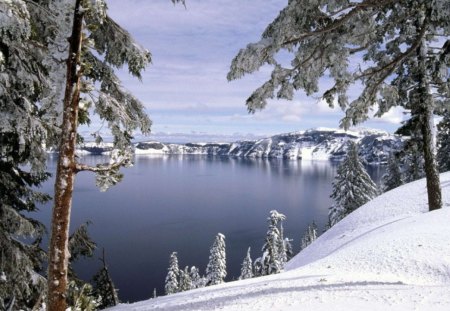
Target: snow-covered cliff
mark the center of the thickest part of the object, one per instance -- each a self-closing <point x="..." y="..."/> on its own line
<point x="315" y="144"/>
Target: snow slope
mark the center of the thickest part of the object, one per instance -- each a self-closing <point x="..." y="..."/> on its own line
<point x="390" y="254"/>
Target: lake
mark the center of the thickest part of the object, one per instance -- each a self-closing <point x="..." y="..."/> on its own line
<point x="180" y="203"/>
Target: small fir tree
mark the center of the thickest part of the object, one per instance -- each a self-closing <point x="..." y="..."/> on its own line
<point x="216" y="270"/>
<point x="196" y="279"/>
<point x="104" y="286"/>
<point x="81" y="297"/>
<point x="185" y="280"/>
<point x="247" y="267"/>
<point x="352" y="187"/>
<point x="443" y="143"/>
<point x="309" y="236"/>
<point x="272" y="260"/>
<point x="171" y="285"/>
<point x="288" y="248"/>
<point x="393" y="176"/>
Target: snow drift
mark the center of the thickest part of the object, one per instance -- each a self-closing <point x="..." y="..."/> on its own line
<point x="389" y="254"/>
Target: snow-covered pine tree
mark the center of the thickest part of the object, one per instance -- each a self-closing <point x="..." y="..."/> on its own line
<point x="23" y="80"/>
<point x="104" y="286"/>
<point x="185" y="282"/>
<point x="309" y="236"/>
<point x="216" y="270"/>
<point x="288" y="248"/>
<point x="196" y="279"/>
<point x="443" y="143"/>
<point x="272" y="260"/>
<point x="247" y="267"/>
<point x="393" y="176"/>
<point x="403" y="50"/>
<point x="171" y="285"/>
<point x="282" y="250"/>
<point x="352" y="186"/>
<point x="411" y="154"/>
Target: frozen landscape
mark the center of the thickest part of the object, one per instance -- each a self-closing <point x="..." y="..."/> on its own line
<point x="390" y="254"/>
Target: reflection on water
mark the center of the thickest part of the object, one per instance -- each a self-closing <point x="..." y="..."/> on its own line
<point x="179" y="203"/>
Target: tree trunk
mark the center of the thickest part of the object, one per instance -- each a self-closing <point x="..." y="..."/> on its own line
<point x="65" y="174"/>
<point x="431" y="171"/>
<point x="426" y="110"/>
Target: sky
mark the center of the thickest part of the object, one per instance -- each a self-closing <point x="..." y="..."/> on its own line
<point x="185" y="90"/>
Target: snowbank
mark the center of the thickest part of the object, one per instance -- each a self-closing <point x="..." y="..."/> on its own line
<point x="390" y="254"/>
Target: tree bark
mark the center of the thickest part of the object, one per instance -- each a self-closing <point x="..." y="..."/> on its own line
<point x="65" y="173"/>
<point x="426" y="110"/>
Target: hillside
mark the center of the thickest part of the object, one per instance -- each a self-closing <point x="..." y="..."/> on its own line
<point x="390" y="254"/>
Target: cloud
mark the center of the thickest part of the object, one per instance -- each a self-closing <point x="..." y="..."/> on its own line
<point x="185" y="88"/>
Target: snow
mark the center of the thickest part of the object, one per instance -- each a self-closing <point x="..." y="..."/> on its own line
<point x="390" y="254"/>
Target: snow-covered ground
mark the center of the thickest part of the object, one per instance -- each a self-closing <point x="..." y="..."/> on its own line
<point x="390" y="254"/>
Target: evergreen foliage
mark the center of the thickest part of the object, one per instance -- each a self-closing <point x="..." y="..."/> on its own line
<point x="185" y="280"/>
<point x="352" y="186"/>
<point x="309" y="236"/>
<point x="443" y="143"/>
<point x="22" y="157"/>
<point x="104" y="286"/>
<point x="247" y="267"/>
<point x="196" y="279"/>
<point x="81" y="297"/>
<point x="216" y="270"/>
<point x="171" y="285"/>
<point x="403" y="48"/>
<point x="274" y="251"/>
<point x="393" y="176"/>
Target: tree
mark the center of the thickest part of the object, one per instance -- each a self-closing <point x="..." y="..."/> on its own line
<point x="216" y="270"/>
<point x="443" y="143"/>
<point x="92" y="33"/>
<point x="81" y="298"/>
<point x="411" y="153"/>
<point x="185" y="280"/>
<point x="393" y="176"/>
<point x="392" y="48"/>
<point x="272" y="260"/>
<point x="23" y="81"/>
<point x="104" y="286"/>
<point x="172" y="285"/>
<point x="196" y="279"/>
<point x="352" y="186"/>
<point x="247" y="267"/>
<point x="309" y="236"/>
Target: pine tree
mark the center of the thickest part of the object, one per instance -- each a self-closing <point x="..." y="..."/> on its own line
<point x="104" y="286"/>
<point x="23" y="81"/>
<point x="171" y="285"/>
<point x="216" y="270"/>
<point x="309" y="236"/>
<point x="288" y="248"/>
<point x="400" y="62"/>
<point x="247" y="267"/>
<point x="443" y="143"/>
<point x="272" y="260"/>
<point x="196" y="279"/>
<point x="81" y="297"/>
<point x="185" y="280"/>
<point x="393" y="176"/>
<point x="352" y="186"/>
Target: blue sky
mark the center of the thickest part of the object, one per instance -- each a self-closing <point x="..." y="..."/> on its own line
<point x="185" y="90"/>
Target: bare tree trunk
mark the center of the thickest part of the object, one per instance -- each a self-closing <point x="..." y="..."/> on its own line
<point x="426" y="123"/>
<point x="65" y="174"/>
